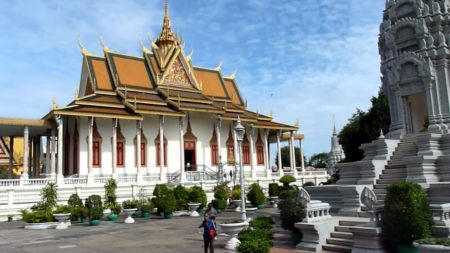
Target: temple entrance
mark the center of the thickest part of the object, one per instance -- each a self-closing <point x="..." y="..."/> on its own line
<point x="417" y="114"/>
<point x="190" y="141"/>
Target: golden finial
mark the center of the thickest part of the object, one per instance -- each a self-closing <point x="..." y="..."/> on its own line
<point x="152" y="43"/>
<point x="189" y="57"/>
<point x="167" y="34"/>
<point x="144" y="49"/>
<point x="219" y="67"/>
<point x="75" y="93"/>
<point x="297" y="123"/>
<point x="233" y="75"/>
<point x="82" y="48"/>
<point x="245" y="103"/>
<point x="104" y="47"/>
<point x="54" y="104"/>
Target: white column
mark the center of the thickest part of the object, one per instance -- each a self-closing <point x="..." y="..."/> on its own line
<point x="280" y="164"/>
<point x="138" y="151"/>
<point x="302" y="156"/>
<point x="266" y="154"/>
<point x="38" y="155"/>
<point x="182" y="169"/>
<point x="114" y="148"/>
<point x="53" y="154"/>
<point x="218" y="127"/>
<point x="236" y="153"/>
<point x="293" y="162"/>
<point x="47" y="156"/>
<point x="163" y="177"/>
<point x="26" y="136"/>
<point x="90" y="149"/>
<point x="252" y="151"/>
<point x="11" y="156"/>
<point x="60" y="176"/>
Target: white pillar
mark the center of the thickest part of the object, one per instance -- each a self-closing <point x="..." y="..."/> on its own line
<point x="236" y="154"/>
<point x="280" y="164"/>
<point x="26" y="136"/>
<point x="302" y="159"/>
<point x="163" y="176"/>
<point x="266" y="154"/>
<point x="138" y="151"/>
<point x="53" y="154"/>
<point x="11" y="156"/>
<point x="47" y="156"/>
<point x="252" y="151"/>
<point x="90" y="149"/>
<point x="293" y="162"/>
<point x="114" y="148"/>
<point x="182" y="168"/>
<point x="60" y="176"/>
<point x="38" y="155"/>
<point x="218" y="127"/>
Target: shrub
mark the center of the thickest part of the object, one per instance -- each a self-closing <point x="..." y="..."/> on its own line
<point x="95" y="213"/>
<point x="82" y="212"/>
<point x="146" y="206"/>
<point x="110" y="193"/>
<point x="116" y="208"/>
<point x="256" y="239"/>
<point x="181" y="194"/>
<point x="309" y="184"/>
<point x="256" y="195"/>
<point x="286" y="180"/>
<point x="130" y="204"/>
<point x="95" y="207"/>
<point x="164" y="199"/>
<point x="254" y="246"/>
<point x="221" y="192"/>
<point x="291" y="210"/>
<point x="406" y="216"/>
<point x="236" y="192"/>
<point x="74" y="200"/>
<point x="49" y="197"/>
<point x="37" y="216"/>
<point x="197" y="195"/>
<point x="63" y="209"/>
<point x="435" y="241"/>
<point x="273" y="189"/>
<point x="261" y="222"/>
<point x="333" y="179"/>
<point x="219" y="204"/>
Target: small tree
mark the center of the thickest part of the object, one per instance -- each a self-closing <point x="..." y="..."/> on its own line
<point x="110" y="193"/>
<point x="256" y="195"/>
<point x="406" y="216"/>
<point x="273" y="189"/>
<point x="197" y="195"/>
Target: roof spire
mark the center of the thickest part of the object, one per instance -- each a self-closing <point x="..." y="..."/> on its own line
<point x="167" y="35"/>
<point x="334" y="126"/>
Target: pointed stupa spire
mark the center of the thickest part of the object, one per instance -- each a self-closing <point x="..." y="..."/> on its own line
<point x="334" y="126"/>
<point x="167" y="35"/>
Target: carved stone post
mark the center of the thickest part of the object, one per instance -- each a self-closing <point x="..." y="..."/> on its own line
<point x="26" y="137"/>
<point x="163" y="176"/>
<point x="182" y="169"/>
<point x="280" y="164"/>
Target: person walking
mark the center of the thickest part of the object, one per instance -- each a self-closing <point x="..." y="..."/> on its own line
<point x="209" y="233"/>
<point x="211" y="211"/>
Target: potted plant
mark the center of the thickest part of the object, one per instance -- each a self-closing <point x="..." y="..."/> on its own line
<point x="10" y="217"/>
<point x="291" y="212"/>
<point x="220" y="198"/>
<point x="95" y="209"/>
<point x="129" y="207"/>
<point x="159" y="193"/>
<point x="433" y="245"/>
<point x="197" y="195"/>
<point x="286" y="180"/>
<point x="146" y="207"/>
<point x="273" y="194"/>
<point x="256" y="196"/>
<point x="232" y="228"/>
<point x="62" y="215"/>
<point x="115" y="211"/>
<point x="236" y="196"/>
<point x="41" y="216"/>
<point x="111" y="198"/>
<point x="406" y="216"/>
<point x="181" y="195"/>
<point x="75" y="203"/>
<point x="83" y="213"/>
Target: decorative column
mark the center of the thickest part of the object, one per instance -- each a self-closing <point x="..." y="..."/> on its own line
<point x="266" y="154"/>
<point x="38" y="156"/>
<point x="219" y="155"/>
<point x="182" y="168"/>
<point x="60" y="176"/>
<point x="47" y="156"/>
<point x="114" y="148"/>
<point x="53" y="154"/>
<point x="90" y="149"/>
<point x="138" y="151"/>
<point x="302" y="159"/>
<point x="280" y="163"/>
<point x="163" y="177"/>
<point x="252" y="151"/>
<point x="26" y="136"/>
<point x="293" y="162"/>
<point x="236" y="153"/>
<point x="11" y="156"/>
<point x="30" y="156"/>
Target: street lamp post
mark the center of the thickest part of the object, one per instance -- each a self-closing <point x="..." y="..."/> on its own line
<point x="240" y="130"/>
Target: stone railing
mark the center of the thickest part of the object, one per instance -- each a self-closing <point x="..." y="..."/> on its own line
<point x="441" y="214"/>
<point x="317" y="211"/>
<point x="155" y="177"/>
<point x="75" y="180"/>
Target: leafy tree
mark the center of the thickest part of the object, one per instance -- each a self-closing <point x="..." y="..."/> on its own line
<point x="319" y="160"/>
<point x="285" y="157"/>
<point x="364" y="127"/>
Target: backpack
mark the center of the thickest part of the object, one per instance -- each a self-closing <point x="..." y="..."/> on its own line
<point x="211" y="228"/>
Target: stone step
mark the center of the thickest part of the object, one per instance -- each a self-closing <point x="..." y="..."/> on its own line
<point x="351" y="223"/>
<point x="389" y="170"/>
<point x="379" y="191"/>
<point x="364" y="214"/>
<point x="343" y="235"/>
<point x="399" y="164"/>
<point x="380" y="186"/>
<point x="390" y="181"/>
<point x="337" y="248"/>
<point x="281" y="237"/>
<point x="340" y="242"/>
<point x="393" y="175"/>
<point x="342" y="228"/>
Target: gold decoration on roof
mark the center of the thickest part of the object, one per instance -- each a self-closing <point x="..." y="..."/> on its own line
<point x="233" y="75"/>
<point x="297" y="123"/>
<point x="82" y="48"/>
<point x="219" y="67"/>
<point x="104" y="47"/>
<point x="177" y="75"/>
<point x="167" y="35"/>
<point x="54" y="104"/>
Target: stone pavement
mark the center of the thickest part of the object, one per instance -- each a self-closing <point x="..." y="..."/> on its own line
<point x="154" y="234"/>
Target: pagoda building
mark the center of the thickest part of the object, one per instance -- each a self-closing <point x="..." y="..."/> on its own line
<point x="156" y="115"/>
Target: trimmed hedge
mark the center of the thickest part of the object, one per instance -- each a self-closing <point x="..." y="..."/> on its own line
<point x="256" y="195"/>
<point x="256" y="239"/>
<point x="273" y="189"/>
<point x="406" y="216"/>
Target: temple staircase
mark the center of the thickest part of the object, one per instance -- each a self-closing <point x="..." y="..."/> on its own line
<point x="341" y="240"/>
<point x="395" y="171"/>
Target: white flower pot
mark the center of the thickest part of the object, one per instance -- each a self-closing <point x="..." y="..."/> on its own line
<point x="43" y="225"/>
<point x="274" y="201"/>
<point x="62" y="219"/>
<point x="128" y="213"/>
<point x="237" y="203"/>
<point x="233" y="229"/>
<point x="194" y="207"/>
<point x="428" y="248"/>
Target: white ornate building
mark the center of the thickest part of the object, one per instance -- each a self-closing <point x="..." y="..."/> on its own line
<point x="336" y="154"/>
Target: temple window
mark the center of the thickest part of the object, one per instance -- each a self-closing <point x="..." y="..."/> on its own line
<point x="120" y="148"/>
<point x="75" y="149"/>
<point x="259" y="150"/>
<point x="67" y="153"/>
<point x="245" y="150"/>
<point x="157" y="147"/>
<point x="230" y="148"/>
<point x="214" y="149"/>
<point x="406" y="40"/>
<point x="97" y="147"/>
<point x="143" y="149"/>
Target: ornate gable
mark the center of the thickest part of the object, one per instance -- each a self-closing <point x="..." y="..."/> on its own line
<point x="178" y="76"/>
<point x="4" y="152"/>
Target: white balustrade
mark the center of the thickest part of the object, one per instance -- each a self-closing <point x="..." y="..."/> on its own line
<point x="9" y="182"/>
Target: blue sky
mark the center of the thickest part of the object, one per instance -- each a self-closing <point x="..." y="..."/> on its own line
<point x="302" y="59"/>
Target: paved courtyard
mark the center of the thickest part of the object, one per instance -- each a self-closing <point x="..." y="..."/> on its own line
<point x="179" y="234"/>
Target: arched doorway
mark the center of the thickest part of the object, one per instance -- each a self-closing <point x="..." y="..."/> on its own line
<point x="190" y="141"/>
<point x="416" y="113"/>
